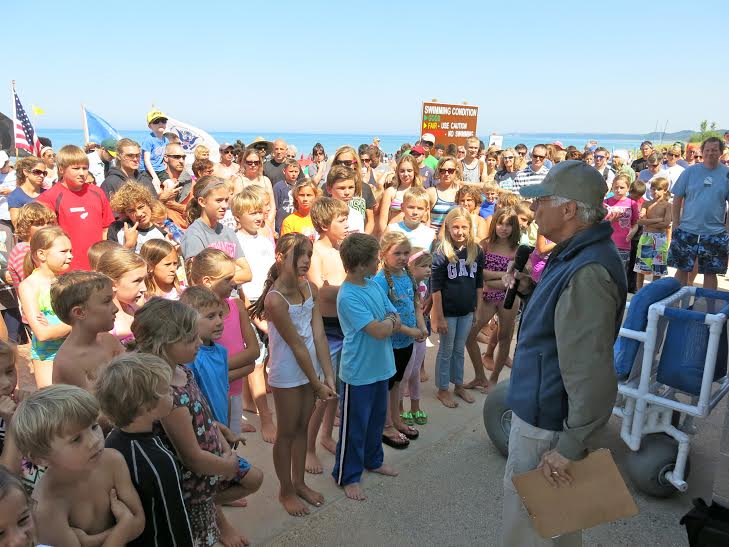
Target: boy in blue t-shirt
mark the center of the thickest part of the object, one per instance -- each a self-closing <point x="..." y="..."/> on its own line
<point x="368" y="321"/>
<point x="153" y="148"/>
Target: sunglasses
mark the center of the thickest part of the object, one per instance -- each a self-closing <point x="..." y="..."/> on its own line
<point x="522" y="154"/>
<point x="39" y="172"/>
<point x="674" y="155"/>
<point x="415" y="154"/>
<point x="539" y="157"/>
<point x="443" y="171"/>
<point x="291" y="157"/>
<point x="261" y="149"/>
<point x="698" y="157"/>
<point x="132" y="156"/>
<point x="599" y="157"/>
<point x="507" y="157"/>
<point x="159" y="120"/>
<point x="319" y="152"/>
<point x="229" y="151"/>
<point x="365" y="160"/>
<point x="346" y="163"/>
<point x="176" y="156"/>
<point x="253" y="163"/>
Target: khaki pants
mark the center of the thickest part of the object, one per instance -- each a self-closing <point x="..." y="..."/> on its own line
<point x="526" y="446"/>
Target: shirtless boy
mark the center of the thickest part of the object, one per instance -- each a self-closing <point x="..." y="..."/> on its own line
<point x="655" y="217"/>
<point x="86" y="496"/>
<point x="330" y="219"/>
<point x="84" y="300"/>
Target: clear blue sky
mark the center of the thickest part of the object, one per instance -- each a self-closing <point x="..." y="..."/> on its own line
<point x="344" y="66"/>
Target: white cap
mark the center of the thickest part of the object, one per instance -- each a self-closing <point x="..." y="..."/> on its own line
<point x="622" y="154"/>
<point x="4" y="158"/>
<point x="428" y="137"/>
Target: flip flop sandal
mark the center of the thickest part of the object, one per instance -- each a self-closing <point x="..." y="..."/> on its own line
<point x="420" y="417"/>
<point x="411" y="433"/>
<point x="399" y="444"/>
<point x="407" y="418"/>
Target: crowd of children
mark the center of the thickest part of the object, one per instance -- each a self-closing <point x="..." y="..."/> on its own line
<point x="148" y="343"/>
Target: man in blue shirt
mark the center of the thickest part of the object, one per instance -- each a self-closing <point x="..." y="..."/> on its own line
<point x="699" y="231"/>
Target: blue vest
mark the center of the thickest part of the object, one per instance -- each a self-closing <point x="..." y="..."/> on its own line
<point x="536" y="393"/>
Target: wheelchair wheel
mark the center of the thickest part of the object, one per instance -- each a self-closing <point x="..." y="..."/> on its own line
<point x="497" y="417"/>
<point x="647" y="467"/>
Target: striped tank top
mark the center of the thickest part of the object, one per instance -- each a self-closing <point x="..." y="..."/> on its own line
<point x="439" y="211"/>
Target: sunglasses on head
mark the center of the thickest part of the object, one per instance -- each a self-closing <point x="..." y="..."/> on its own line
<point x="346" y="163"/>
<point x="444" y="170"/>
<point x="39" y="172"/>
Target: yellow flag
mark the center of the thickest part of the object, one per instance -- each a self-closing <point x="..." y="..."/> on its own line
<point x="37" y="110"/>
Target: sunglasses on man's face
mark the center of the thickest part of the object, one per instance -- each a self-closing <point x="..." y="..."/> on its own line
<point x="177" y="156"/>
<point x="365" y="160"/>
<point x="39" y="173"/>
<point x="538" y="157"/>
<point x="522" y="154"/>
<point x="599" y="157"/>
<point x="698" y="157"/>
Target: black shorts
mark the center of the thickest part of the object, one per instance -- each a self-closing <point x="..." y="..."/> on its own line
<point x="402" y="358"/>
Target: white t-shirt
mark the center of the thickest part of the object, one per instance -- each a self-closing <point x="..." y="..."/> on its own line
<point x="673" y="174"/>
<point x="7" y="182"/>
<point x="420" y="238"/>
<point x="355" y="221"/>
<point x="96" y="167"/>
<point x="261" y="255"/>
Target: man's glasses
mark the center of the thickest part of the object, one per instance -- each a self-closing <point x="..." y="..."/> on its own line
<point x="538" y="157"/>
<point x="319" y="152"/>
<point x="158" y="121"/>
<point x="599" y="157"/>
<point x="176" y="156"/>
<point x="132" y="156"/>
<point x="698" y="157"/>
<point x="365" y="160"/>
<point x="39" y="172"/>
<point x="444" y="171"/>
<point x="252" y="163"/>
<point x="346" y="163"/>
<point x="522" y="154"/>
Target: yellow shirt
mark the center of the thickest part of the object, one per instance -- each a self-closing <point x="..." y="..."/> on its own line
<point x="301" y="224"/>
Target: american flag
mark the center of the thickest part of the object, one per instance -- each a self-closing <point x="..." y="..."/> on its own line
<point x="25" y="137"/>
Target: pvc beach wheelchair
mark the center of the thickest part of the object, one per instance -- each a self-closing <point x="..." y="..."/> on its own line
<point x="671" y="363"/>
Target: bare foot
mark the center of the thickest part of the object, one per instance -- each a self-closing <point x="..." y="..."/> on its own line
<point x="241" y="502"/>
<point x="229" y="536"/>
<point x="312" y="496"/>
<point x="313" y="464"/>
<point x="488" y="362"/>
<point x="424" y="375"/>
<point x="329" y="444"/>
<point x="293" y="505"/>
<point x="461" y="392"/>
<point x="268" y="431"/>
<point x="509" y="362"/>
<point x="385" y="470"/>
<point x="477" y="383"/>
<point x="445" y="397"/>
<point x="354" y="492"/>
<point x="247" y="428"/>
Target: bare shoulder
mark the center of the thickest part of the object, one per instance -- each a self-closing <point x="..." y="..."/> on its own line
<point x="110" y="343"/>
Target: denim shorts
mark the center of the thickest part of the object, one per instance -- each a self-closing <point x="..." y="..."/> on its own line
<point x="710" y="250"/>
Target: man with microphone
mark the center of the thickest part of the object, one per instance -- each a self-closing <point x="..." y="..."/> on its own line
<point x="563" y="384"/>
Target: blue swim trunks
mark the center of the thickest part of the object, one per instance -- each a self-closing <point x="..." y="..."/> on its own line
<point x="711" y="251"/>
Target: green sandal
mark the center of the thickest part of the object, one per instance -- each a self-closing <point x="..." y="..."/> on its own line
<point x="407" y="418"/>
<point x="420" y="417"/>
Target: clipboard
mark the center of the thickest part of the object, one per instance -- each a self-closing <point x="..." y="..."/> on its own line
<point x="597" y="495"/>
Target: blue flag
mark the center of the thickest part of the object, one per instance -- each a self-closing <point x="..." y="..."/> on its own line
<point x="99" y="128"/>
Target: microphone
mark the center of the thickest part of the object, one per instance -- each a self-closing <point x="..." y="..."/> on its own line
<point x="520" y="260"/>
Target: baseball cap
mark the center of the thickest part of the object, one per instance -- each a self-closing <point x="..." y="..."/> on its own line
<point x="155" y="115"/>
<point x="4" y="158"/>
<point x="418" y="149"/>
<point x="225" y="146"/>
<point x="622" y="153"/>
<point x="571" y="179"/>
<point x="110" y="146"/>
<point x="428" y="137"/>
<point x="559" y="145"/>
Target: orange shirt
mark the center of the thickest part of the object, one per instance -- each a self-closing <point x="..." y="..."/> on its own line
<point x="296" y="222"/>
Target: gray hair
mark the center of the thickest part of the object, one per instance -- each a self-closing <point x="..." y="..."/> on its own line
<point x="293" y="150"/>
<point x="586" y="214"/>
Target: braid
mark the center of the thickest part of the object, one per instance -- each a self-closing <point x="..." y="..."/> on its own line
<point x="188" y="267"/>
<point x="390" y="284"/>
<point x="256" y="309"/>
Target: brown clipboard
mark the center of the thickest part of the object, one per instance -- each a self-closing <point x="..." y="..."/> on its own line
<point x="598" y="494"/>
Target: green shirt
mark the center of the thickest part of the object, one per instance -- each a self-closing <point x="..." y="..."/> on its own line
<point x="431" y="161"/>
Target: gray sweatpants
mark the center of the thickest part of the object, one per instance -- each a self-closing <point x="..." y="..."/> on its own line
<point x="526" y="446"/>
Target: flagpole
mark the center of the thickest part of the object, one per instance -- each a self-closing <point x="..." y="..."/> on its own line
<point x="15" y="116"/>
<point x="85" y="123"/>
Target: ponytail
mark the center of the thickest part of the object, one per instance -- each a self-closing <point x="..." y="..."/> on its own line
<point x="203" y="187"/>
<point x="207" y="263"/>
<point x="42" y="240"/>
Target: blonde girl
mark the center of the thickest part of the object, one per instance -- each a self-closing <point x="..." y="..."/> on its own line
<point x="205" y="211"/>
<point x="214" y="269"/>
<point x="419" y="265"/>
<point x="304" y="194"/>
<point x="212" y="474"/>
<point x="299" y="357"/>
<point x="49" y="255"/>
<point x="499" y="249"/>
<point x="128" y="273"/>
<point x="456" y="283"/>
<point x="402" y="290"/>
<point x="163" y="262"/>
<point x="406" y="176"/>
